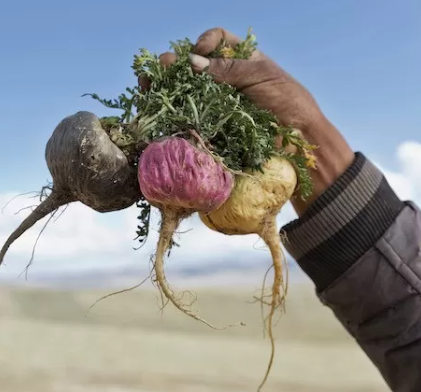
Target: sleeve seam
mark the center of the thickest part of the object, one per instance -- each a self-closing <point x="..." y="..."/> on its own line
<point x="399" y="266"/>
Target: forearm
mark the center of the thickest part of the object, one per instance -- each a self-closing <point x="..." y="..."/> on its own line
<point x="333" y="157"/>
<point x="361" y="246"/>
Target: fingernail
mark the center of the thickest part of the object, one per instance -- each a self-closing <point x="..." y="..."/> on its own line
<point x="199" y="62"/>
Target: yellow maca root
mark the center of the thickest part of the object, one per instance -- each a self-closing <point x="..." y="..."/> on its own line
<point x="252" y="209"/>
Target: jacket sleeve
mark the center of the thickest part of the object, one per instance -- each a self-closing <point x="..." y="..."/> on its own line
<point x="361" y="246"/>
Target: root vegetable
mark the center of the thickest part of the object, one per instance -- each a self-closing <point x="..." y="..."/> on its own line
<point x="85" y="166"/>
<point x="201" y="133"/>
<point x="209" y="150"/>
<point x="252" y="209"/>
<point x="179" y="179"/>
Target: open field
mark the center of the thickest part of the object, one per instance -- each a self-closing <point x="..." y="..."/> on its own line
<point x="124" y="344"/>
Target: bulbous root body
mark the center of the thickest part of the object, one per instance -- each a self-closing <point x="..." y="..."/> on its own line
<point x="179" y="179"/>
<point x="86" y="166"/>
<point x="252" y="209"/>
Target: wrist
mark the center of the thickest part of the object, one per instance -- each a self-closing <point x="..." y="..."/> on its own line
<point x="343" y="223"/>
<point x="333" y="157"/>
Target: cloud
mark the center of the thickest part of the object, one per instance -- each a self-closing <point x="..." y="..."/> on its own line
<point x="406" y="180"/>
<point x="81" y="239"/>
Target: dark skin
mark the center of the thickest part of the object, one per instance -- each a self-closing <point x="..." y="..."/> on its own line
<point x="269" y="87"/>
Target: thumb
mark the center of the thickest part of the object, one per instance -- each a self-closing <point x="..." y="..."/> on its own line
<point x="237" y="73"/>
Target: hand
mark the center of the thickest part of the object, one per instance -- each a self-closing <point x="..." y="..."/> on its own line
<point x="271" y="88"/>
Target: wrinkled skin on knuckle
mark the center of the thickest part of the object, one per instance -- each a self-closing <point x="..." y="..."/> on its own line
<point x="271" y="72"/>
<point x="294" y="112"/>
<point x="272" y="92"/>
<point x="290" y="102"/>
<point x="245" y="74"/>
<point x="225" y="69"/>
<point x="209" y="40"/>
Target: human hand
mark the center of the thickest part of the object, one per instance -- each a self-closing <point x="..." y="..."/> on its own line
<point x="269" y="87"/>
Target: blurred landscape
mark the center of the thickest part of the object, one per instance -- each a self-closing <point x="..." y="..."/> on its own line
<point x="49" y="342"/>
<point x="365" y="77"/>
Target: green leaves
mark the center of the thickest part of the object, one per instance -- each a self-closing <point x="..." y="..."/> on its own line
<point x="123" y="102"/>
<point x="242" y="51"/>
<point x="144" y="218"/>
<point x="178" y="101"/>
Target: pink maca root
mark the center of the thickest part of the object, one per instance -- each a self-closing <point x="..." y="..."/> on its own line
<point x="174" y="173"/>
<point x="180" y="179"/>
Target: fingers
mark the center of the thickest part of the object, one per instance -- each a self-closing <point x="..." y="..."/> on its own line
<point x="243" y="74"/>
<point x="144" y="82"/>
<point x="167" y="58"/>
<point x="198" y="63"/>
<point x="210" y="40"/>
<point x="290" y="148"/>
<point x="238" y="73"/>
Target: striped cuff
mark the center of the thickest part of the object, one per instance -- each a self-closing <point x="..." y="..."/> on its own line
<point x="343" y="223"/>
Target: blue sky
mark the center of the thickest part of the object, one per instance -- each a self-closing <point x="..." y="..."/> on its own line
<point x="360" y="58"/>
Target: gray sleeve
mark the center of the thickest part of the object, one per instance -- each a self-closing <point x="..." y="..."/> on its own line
<point x="370" y="273"/>
<point x="378" y="300"/>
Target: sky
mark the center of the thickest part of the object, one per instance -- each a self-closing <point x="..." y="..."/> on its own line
<point x="359" y="58"/>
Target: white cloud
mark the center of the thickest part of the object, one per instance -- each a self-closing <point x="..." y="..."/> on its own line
<point x="81" y="238"/>
<point x="406" y="180"/>
<point x="84" y="239"/>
